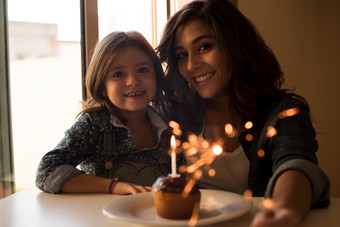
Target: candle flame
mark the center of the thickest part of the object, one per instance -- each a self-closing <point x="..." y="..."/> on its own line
<point x="173" y="143"/>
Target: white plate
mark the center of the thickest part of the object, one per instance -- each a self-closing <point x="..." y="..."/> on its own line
<point x="216" y="206"/>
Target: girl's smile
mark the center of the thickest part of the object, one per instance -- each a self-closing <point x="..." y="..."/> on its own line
<point x="135" y="94"/>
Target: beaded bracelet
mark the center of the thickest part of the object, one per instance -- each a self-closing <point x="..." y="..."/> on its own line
<point x="113" y="184"/>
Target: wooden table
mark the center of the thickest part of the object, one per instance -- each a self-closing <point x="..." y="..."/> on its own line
<point x="39" y="209"/>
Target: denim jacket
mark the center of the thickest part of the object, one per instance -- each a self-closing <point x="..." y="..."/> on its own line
<point x="292" y="147"/>
<point x="98" y="144"/>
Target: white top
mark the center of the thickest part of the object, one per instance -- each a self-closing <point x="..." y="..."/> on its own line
<point x="231" y="172"/>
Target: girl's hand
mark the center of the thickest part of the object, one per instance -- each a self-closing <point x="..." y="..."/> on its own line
<point x="277" y="217"/>
<point x="123" y="188"/>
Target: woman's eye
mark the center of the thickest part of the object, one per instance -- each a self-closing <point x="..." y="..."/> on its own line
<point x="205" y="46"/>
<point x="144" y="70"/>
<point x="181" y="55"/>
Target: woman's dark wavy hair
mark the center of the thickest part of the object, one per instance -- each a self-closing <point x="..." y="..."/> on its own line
<point x="105" y="52"/>
<point x="255" y="77"/>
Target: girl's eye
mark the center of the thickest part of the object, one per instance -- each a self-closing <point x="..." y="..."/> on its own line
<point x="205" y="46"/>
<point x="144" y="70"/>
<point x="118" y="74"/>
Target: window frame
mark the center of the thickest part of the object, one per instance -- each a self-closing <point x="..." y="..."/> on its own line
<point x="6" y="151"/>
<point x="89" y="35"/>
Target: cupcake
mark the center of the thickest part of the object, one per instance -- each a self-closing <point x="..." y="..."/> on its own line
<point x="172" y="201"/>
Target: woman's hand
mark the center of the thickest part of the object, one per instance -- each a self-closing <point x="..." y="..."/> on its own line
<point x="291" y="201"/>
<point x="123" y="188"/>
<point x="280" y="217"/>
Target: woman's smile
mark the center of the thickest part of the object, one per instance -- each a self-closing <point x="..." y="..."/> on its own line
<point x="203" y="78"/>
<point x="200" y="59"/>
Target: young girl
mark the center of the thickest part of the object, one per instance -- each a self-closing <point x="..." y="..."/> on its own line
<point x="117" y="139"/>
<point x="220" y="72"/>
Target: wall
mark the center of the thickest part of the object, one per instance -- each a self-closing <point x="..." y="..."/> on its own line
<point x="305" y="36"/>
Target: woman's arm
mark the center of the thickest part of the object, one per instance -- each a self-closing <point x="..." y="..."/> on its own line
<point x="292" y="198"/>
<point x="84" y="183"/>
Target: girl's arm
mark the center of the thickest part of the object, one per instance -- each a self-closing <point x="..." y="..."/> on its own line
<point x="59" y="165"/>
<point x="292" y="198"/>
<point x="84" y="183"/>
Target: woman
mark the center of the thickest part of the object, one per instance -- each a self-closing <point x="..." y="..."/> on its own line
<point x="220" y="72"/>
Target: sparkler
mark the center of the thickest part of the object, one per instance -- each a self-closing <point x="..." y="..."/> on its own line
<point x="201" y="153"/>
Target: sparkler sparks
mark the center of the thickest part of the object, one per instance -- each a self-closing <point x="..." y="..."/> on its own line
<point x="248" y="125"/>
<point x="229" y="130"/>
<point x="268" y="203"/>
<point x="261" y="153"/>
<point x="175" y="128"/>
<point x="203" y="155"/>
<point x="195" y="214"/>
<point x="173" y="124"/>
<point x="217" y="149"/>
<point x="211" y="172"/>
<point x="248" y="194"/>
<point x="289" y="112"/>
<point x="271" y="131"/>
<point x="249" y="137"/>
<point x="200" y="153"/>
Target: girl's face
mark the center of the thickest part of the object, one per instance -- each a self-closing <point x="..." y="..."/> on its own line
<point x="131" y="80"/>
<point x="200" y="59"/>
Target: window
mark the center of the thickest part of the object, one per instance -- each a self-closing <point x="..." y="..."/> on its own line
<point x="45" y="79"/>
<point x="146" y="16"/>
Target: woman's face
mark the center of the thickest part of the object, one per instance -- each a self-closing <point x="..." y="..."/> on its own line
<point x="200" y="59"/>
<point x="131" y="80"/>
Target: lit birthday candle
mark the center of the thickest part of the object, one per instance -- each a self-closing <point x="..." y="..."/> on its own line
<point x="173" y="157"/>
